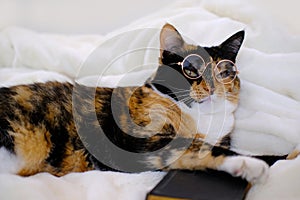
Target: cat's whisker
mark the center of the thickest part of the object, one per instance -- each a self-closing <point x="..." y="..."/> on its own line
<point x="169" y="86"/>
<point x="187" y="100"/>
<point x="180" y="97"/>
<point x="180" y="91"/>
<point x="178" y="94"/>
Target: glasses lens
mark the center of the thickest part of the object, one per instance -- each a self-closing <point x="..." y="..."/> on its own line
<point x="193" y="66"/>
<point x="225" y="71"/>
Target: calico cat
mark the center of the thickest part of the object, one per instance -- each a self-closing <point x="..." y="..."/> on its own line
<point x="191" y="98"/>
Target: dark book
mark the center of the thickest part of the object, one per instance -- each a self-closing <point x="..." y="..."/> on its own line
<point x="199" y="185"/>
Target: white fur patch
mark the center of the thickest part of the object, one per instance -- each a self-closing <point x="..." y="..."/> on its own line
<point x="9" y="163"/>
<point x="252" y="169"/>
<point x="214" y="117"/>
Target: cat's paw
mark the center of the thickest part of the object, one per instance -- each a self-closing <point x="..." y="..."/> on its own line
<point x="252" y="169"/>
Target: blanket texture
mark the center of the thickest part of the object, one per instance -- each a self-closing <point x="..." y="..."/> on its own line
<point x="267" y="119"/>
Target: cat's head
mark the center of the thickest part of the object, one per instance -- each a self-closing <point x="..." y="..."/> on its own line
<point x="192" y="73"/>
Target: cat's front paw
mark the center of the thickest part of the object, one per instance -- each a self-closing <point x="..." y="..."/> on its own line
<point x="252" y="169"/>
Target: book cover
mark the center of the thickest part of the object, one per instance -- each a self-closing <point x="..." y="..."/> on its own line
<point x="199" y="185"/>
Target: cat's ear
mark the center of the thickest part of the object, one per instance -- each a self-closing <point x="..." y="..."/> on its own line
<point x="170" y="39"/>
<point x="232" y="45"/>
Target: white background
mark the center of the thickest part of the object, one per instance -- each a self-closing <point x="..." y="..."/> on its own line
<point x="100" y="17"/>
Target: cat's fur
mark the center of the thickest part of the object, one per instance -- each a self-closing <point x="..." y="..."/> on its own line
<point x="38" y="132"/>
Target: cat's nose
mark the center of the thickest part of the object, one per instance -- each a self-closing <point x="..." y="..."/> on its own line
<point x="209" y="90"/>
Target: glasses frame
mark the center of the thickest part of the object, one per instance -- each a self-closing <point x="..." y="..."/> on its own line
<point x="206" y="64"/>
<point x="234" y="66"/>
<point x="200" y="74"/>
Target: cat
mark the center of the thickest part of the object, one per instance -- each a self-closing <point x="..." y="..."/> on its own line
<point x="192" y="87"/>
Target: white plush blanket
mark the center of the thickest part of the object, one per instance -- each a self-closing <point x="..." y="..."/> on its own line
<point x="267" y="120"/>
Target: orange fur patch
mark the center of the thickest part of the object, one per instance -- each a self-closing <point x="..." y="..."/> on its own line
<point x="23" y="97"/>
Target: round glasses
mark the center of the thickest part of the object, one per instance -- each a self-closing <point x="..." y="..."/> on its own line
<point x="193" y="67"/>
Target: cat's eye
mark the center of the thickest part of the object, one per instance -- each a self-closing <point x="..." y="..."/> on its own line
<point x="193" y="66"/>
<point x="225" y="71"/>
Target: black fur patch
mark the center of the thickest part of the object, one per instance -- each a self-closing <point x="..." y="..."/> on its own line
<point x="6" y="140"/>
<point x="270" y="160"/>
<point x="218" y="151"/>
<point x="226" y="141"/>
